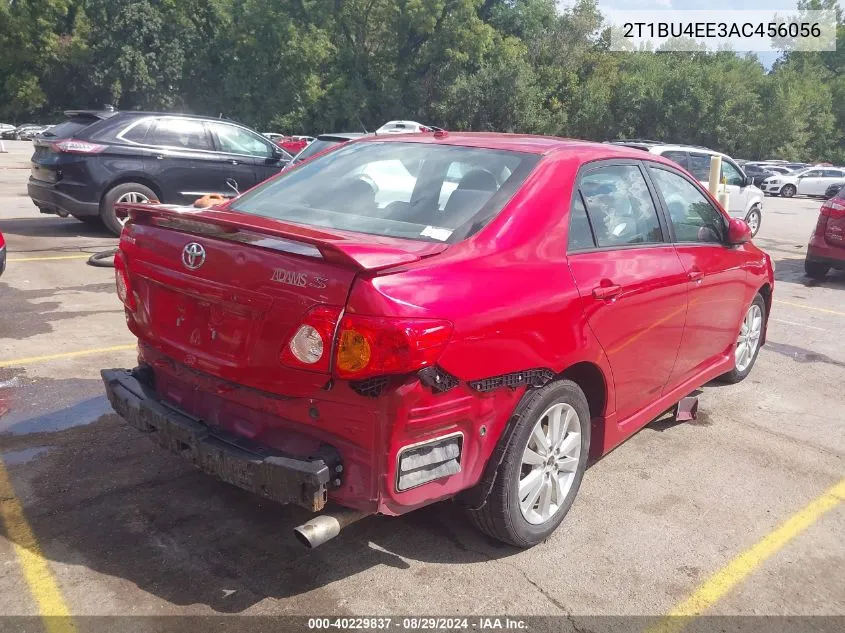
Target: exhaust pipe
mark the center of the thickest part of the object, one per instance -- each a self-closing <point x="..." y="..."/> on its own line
<point x="325" y="527"/>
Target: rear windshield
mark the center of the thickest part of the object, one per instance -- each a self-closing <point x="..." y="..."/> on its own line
<point x="315" y="147"/>
<point x="71" y="127"/>
<point x="437" y="193"/>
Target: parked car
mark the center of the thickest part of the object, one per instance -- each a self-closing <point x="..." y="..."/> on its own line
<point x="96" y="158"/>
<point x="2" y="253"/>
<point x="808" y="182"/>
<point x="311" y="340"/>
<point x="273" y="136"/>
<point x="324" y="142"/>
<point x="6" y="127"/>
<point x="757" y="173"/>
<point x="745" y="200"/>
<point x="834" y="189"/>
<point x="826" y="249"/>
<point x="294" y="144"/>
<point x="23" y="132"/>
<point x="405" y="127"/>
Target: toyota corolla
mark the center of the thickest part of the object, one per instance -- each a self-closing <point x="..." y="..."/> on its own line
<point x="477" y="326"/>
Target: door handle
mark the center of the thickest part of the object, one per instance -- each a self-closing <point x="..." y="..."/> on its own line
<point x="606" y="292"/>
<point x="234" y="162"/>
<point x="159" y="156"/>
<point x="696" y="276"/>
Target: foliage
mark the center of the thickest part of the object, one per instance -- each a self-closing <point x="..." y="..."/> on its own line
<point x="310" y="66"/>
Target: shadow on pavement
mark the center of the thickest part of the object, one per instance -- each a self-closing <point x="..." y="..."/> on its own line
<point x="792" y="270"/>
<point x="53" y="226"/>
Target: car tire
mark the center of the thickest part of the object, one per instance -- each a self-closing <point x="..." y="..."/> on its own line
<point x="501" y="516"/>
<point x="815" y="270"/>
<point x="124" y="192"/>
<point x="787" y="191"/>
<point x="754" y="219"/>
<point x="740" y="372"/>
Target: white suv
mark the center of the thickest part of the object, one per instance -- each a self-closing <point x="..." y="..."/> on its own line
<point x="745" y="201"/>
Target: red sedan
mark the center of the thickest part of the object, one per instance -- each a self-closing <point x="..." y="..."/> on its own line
<point x="827" y="243"/>
<point x="408" y="319"/>
<point x="2" y="254"/>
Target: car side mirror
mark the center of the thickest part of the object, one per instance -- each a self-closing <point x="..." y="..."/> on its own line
<point x="738" y="232"/>
<point x="747" y="181"/>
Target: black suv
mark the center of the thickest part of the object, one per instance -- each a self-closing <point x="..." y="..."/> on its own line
<point x="83" y="166"/>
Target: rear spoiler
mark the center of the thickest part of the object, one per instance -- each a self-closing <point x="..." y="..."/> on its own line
<point x="359" y="251"/>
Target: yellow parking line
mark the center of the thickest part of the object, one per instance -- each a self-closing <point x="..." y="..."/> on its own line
<point x="806" y="307"/>
<point x="14" y="362"/>
<point x="47" y="258"/>
<point x="724" y="580"/>
<point x="36" y="570"/>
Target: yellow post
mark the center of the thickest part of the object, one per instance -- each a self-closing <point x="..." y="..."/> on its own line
<point x="715" y="174"/>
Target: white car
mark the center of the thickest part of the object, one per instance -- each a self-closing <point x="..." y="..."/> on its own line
<point x="813" y="181"/>
<point x="404" y="127"/>
<point x="745" y="200"/>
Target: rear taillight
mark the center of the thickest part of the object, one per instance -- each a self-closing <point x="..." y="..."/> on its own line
<point x="310" y="346"/>
<point x="73" y="146"/>
<point x="121" y="279"/>
<point x="833" y="208"/>
<point x="375" y="346"/>
<point x="365" y="346"/>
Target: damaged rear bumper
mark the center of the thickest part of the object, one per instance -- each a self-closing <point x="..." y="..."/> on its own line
<point x="254" y="467"/>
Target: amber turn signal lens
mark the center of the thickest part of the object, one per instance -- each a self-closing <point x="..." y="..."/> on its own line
<point x="353" y="352"/>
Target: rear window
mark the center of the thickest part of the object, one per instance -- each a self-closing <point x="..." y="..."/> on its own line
<point x="70" y="128"/>
<point x="314" y="148"/>
<point x="419" y="191"/>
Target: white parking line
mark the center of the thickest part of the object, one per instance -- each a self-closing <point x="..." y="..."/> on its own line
<point x="812" y="327"/>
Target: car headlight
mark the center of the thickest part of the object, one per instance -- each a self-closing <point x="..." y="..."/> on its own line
<point x="776" y="181"/>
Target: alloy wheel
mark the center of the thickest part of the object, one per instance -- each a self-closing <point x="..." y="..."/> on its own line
<point x="749" y="337"/>
<point x="549" y="463"/>
<point x="131" y="197"/>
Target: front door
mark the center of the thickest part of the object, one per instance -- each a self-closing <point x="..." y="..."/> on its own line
<point x="715" y="272"/>
<point x="243" y="147"/>
<point x="811" y="183"/>
<point x="632" y="285"/>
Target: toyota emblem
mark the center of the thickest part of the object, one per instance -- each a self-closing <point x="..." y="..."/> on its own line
<point x="193" y="256"/>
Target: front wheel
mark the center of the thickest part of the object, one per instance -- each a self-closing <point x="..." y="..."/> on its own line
<point x="754" y="219"/>
<point x="541" y="469"/>
<point x="787" y="191"/>
<point x="748" y="341"/>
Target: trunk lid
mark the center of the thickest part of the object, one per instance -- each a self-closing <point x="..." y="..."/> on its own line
<point x="223" y="292"/>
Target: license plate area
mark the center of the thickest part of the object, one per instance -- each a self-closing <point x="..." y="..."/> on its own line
<point x="197" y="324"/>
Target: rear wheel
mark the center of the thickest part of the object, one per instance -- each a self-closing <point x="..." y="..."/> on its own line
<point x="815" y="270"/>
<point x="126" y="192"/>
<point x="541" y="469"/>
<point x="748" y="341"/>
<point x="787" y="191"/>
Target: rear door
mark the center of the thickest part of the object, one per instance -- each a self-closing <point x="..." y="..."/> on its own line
<point x="715" y="273"/>
<point x="184" y="161"/>
<point x="632" y="285"/>
<point x="241" y="147"/>
<point x="829" y="176"/>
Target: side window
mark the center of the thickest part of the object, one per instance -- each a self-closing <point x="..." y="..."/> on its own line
<point x="699" y="166"/>
<point x="678" y="157"/>
<point x="181" y="133"/>
<point x="236" y="140"/>
<point x="137" y="132"/>
<point x="620" y="207"/>
<point x="580" y="233"/>
<point x="730" y="174"/>
<point x="692" y="216"/>
<point x="816" y="173"/>
<point x="833" y="173"/>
